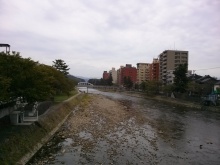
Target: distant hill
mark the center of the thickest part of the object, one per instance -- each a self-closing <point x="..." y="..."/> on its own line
<point x="77" y="79"/>
<point x="84" y="78"/>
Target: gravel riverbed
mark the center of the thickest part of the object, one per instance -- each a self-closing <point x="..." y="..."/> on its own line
<point x="113" y="131"/>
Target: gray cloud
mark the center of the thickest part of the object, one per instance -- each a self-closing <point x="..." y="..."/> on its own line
<point x="93" y="35"/>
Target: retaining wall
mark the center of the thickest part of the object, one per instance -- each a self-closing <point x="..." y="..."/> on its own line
<point x="6" y="111"/>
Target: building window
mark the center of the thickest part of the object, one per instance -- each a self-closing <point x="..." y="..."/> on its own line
<point x="177" y="57"/>
<point x="184" y="53"/>
<point x="176" y="65"/>
<point x="177" y="61"/>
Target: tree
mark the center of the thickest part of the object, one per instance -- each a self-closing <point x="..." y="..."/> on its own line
<point x="195" y="88"/>
<point x="95" y="81"/>
<point x="143" y="85"/>
<point x="180" y="79"/>
<point x="23" y="77"/>
<point x="168" y="88"/>
<point x="153" y="86"/>
<point x="4" y="88"/>
<point x="127" y="82"/>
<point x="109" y="80"/>
<point x="61" y="66"/>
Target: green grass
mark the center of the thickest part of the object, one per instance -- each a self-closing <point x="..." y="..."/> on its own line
<point x="62" y="97"/>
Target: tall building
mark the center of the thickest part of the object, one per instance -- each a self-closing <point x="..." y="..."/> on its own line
<point x="113" y="72"/>
<point x="154" y="69"/>
<point x="105" y="75"/>
<point x="128" y="71"/>
<point x="143" y="72"/>
<point x="119" y="80"/>
<point x="169" y="61"/>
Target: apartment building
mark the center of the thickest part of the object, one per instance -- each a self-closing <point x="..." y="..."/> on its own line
<point x="169" y="60"/>
<point x="143" y="72"/>
<point x="113" y="72"/>
<point x="127" y="71"/>
<point x="105" y="75"/>
<point x="154" y="69"/>
<point x="170" y="77"/>
<point x="119" y="81"/>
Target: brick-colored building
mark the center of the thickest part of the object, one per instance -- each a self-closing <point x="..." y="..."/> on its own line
<point x="105" y="75"/>
<point x="154" y="69"/>
<point x="119" y="75"/>
<point x="128" y="71"/>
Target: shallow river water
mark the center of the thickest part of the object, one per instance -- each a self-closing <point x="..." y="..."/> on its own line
<point x="172" y="135"/>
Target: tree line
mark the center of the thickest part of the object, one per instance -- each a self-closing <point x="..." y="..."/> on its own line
<point x="104" y="82"/>
<point x="182" y="84"/>
<point x="23" y="77"/>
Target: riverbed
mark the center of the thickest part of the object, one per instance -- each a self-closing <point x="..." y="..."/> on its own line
<point x="112" y="128"/>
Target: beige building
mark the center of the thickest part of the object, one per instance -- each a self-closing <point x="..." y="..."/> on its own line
<point x="170" y="77"/>
<point x="113" y="72"/>
<point x="169" y="61"/>
<point x="143" y="70"/>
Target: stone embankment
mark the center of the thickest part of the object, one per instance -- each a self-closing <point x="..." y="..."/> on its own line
<point x="90" y="124"/>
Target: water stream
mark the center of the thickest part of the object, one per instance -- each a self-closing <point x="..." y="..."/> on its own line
<point x="172" y="135"/>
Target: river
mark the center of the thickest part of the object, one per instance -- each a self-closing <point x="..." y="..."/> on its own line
<point x="169" y="135"/>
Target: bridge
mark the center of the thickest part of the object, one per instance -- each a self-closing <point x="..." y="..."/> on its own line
<point x="85" y="84"/>
<point x="100" y="87"/>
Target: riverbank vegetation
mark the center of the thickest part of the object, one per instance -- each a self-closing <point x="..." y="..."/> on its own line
<point x="30" y="80"/>
<point x="61" y="97"/>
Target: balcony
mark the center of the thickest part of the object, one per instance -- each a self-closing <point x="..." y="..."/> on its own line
<point x="164" y="63"/>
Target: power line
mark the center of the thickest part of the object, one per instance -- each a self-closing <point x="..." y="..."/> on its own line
<point x="207" y="68"/>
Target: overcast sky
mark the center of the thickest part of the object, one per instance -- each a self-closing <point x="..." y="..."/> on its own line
<point x="95" y="35"/>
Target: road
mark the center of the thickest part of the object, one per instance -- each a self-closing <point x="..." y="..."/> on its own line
<point x="113" y="128"/>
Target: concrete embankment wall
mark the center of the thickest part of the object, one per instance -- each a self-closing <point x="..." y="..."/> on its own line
<point x="6" y="111"/>
<point x="25" y="141"/>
